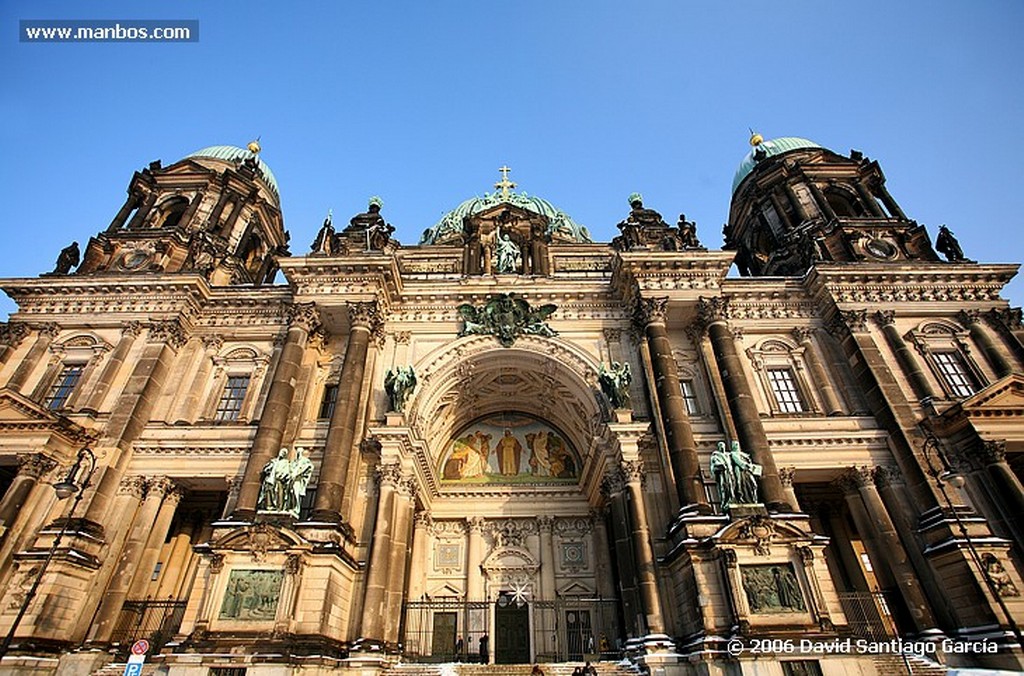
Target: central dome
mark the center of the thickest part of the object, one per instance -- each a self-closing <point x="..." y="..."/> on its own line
<point x="560" y="226"/>
<point x="235" y="155"/>
<point x="773" y="147"/>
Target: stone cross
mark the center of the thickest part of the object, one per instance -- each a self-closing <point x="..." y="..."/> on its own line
<point x="504" y="184"/>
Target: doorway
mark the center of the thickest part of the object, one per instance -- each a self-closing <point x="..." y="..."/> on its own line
<point x="512" y="631"/>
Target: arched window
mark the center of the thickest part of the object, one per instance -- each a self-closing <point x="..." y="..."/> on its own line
<point x="844" y="205"/>
<point x="170" y="212"/>
<point x="780" y="366"/>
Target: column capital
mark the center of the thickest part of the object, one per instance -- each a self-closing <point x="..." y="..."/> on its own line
<point x="212" y="343"/>
<point x="168" y="331"/>
<point x="365" y="314"/>
<point x="651" y="311"/>
<point x="802" y="334"/>
<point x="1010" y="318"/>
<point x="49" y="329"/>
<point x="423" y="519"/>
<point x="545" y="522"/>
<point x="969" y="317"/>
<point x="614" y="482"/>
<point x="786" y="476"/>
<point x="134" y="486"/>
<point x="34" y="465"/>
<point x="713" y="310"/>
<point x="131" y="329"/>
<point x="389" y="474"/>
<point x="304" y="316"/>
<point x="475" y="524"/>
<point x="633" y="471"/>
<point x="12" y="333"/>
<point x="884" y="317"/>
<point x="852" y="479"/>
<point x="889" y="475"/>
<point x="845" y="322"/>
<point x="991" y="452"/>
<point x="162" y="487"/>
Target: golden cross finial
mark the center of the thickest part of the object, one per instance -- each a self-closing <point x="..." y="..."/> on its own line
<point x="504" y="184"/>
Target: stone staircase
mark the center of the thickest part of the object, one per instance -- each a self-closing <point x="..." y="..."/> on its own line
<point x="460" y="669"/>
<point x="893" y="665"/>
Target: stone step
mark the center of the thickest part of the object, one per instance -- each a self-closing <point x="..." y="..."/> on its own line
<point x="894" y="665"/>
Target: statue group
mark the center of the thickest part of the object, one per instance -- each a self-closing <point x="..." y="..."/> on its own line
<point x="399" y="383"/>
<point x="615" y="382"/>
<point x="284" y="482"/>
<point x="735" y="475"/>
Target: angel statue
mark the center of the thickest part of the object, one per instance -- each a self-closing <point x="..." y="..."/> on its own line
<point x="399" y="383"/>
<point x="615" y="382"/>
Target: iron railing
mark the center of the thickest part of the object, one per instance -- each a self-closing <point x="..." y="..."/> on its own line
<point x="155" y="621"/>
<point x="869" y="615"/>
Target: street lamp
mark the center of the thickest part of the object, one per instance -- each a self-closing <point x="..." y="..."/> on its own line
<point x="948" y="475"/>
<point x="64" y="489"/>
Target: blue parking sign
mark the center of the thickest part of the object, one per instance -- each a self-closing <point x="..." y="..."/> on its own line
<point x="133" y="669"/>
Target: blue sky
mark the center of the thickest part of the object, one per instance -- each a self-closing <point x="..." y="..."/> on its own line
<point x="420" y="103"/>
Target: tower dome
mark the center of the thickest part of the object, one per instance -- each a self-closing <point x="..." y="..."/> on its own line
<point x="561" y="226"/>
<point x="770" y="148"/>
<point x="234" y="155"/>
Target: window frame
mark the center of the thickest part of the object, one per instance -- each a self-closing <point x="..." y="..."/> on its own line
<point x="228" y="414"/>
<point x="935" y="337"/>
<point x="59" y="384"/>
<point x="778" y="353"/>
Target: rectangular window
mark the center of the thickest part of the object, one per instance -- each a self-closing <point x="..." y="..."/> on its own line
<point x="327" y="403"/>
<point x="227" y="671"/>
<point x="156" y="571"/>
<point x="784" y="388"/>
<point x="63" y="386"/>
<point x="689" y="397"/>
<point x="230" y="404"/>
<point x="951" y="366"/>
<point x="801" y="668"/>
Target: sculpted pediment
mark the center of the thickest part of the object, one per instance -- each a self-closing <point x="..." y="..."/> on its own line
<point x="19" y="414"/>
<point x="510" y="559"/>
<point x="1007" y="393"/>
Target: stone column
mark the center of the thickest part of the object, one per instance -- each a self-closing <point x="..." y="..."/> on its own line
<point x="45" y="335"/>
<point x="1006" y="487"/>
<point x="99" y="393"/>
<point x="821" y="378"/>
<point x="819" y="198"/>
<point x="980" y="333"/>
<point x="545" y="523"/>
<point x="890" y="203"/>
<point x="147" y="203"/>
<point x="868" y="199"/>
<point x="375" y="598"/>
<point x="647" y="579"/>
<point x="31" y="467"/>
<point x="122" y="214"/>
<point x="364" y="318"/>
<point x="713" y="313"/>
<point x="191" y="406"/>
<point x="1008" y="322"/>
<point x="133" y="410"/>
<point x="303" y="319"/>
<point x="474" y="557"/>
<point x="860" y="482"/>
<point x="682" y="449"/>
<point x="602" y="550"/>
<point x="399" y="560"/>
<point x="918" y="382"/>
<point x="11" y="335"/>
<point x="157" y="535"/>
<point x="794" y="199"/>
<point x="614" y="486"/>
<point x="116" y="593"/>
<point x="421" y="547"/>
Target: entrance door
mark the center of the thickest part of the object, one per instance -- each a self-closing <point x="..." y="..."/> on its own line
<point x="512" y="631"/>
<point x="443" y="644"/>
<point x="579" y="634"/>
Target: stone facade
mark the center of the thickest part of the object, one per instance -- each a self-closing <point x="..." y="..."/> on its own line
<point x="507" y="512"/>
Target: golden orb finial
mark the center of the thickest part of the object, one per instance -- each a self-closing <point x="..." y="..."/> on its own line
<point x="755" y="138"/>
<point x="254" y="146"/>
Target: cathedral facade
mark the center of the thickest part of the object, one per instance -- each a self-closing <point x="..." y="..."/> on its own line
<point x="510" y="444"/>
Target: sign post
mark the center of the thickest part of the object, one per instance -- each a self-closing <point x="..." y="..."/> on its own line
<point x="137" y="659"/>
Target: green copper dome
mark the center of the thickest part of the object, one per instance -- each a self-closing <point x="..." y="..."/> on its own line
<point x="773" y="147"/>
<point x="235" y="154"/>
<point x="560" y="226"/>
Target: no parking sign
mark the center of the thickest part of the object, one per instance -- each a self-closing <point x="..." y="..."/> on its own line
<point x="137" y="658"/>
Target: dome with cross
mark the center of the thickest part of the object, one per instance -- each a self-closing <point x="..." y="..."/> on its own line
<point x="561" y="227"/>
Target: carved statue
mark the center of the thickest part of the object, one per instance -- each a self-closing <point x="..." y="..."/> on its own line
<point x="372" y="226"/>
<point x="324" y="242"/>
<point x="399" y="384"/>
<point x="745" y="472"/>
<point x="488" y="242"/>
<point x="276" y="484"/>
<point x="996" y="572"/>
<point x="301" y="471"/>
<point x="506" y="316"/>
<point x="68" y="258"/>
<point x="947" y="244"/>
<point x="722" y="472"/>
<point x="615" y="382"/>
<point x="688" y="233"/>
<point x="510" y="259"/>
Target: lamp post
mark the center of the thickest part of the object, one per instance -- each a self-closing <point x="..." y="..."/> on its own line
<point x="64" y="489"/>
<point x="947" y="475"/>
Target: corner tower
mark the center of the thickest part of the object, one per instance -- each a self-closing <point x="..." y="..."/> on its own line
<point x="216" y="212"/>
<point x="795" y="202"/>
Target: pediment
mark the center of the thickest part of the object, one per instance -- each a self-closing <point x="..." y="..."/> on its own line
<point x="509" y="558"/>
<point x="19" y="414"/>
<point x="259" y="538"/>
<point x="1005" y="397"/>
<point x="577" y="588"/>
<point x="445" y="590"/>
<point x="507" y="212"/>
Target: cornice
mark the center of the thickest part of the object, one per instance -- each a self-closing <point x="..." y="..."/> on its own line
<point x="912" y="283"/>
